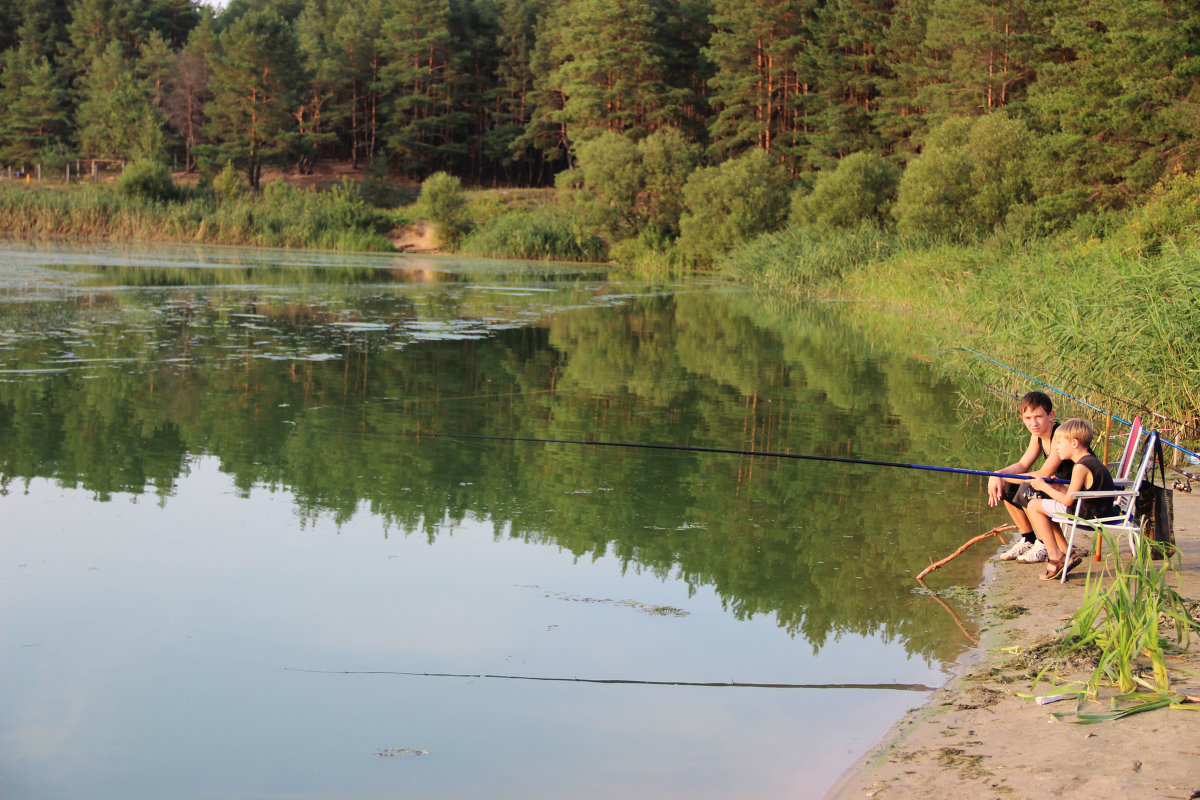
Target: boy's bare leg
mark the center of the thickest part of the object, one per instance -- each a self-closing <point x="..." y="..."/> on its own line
<point x="1047" y="532"/>
<point x="1018" y="516"/>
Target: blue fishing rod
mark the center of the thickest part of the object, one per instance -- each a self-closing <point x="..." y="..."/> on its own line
<point x="1076" y="399"/>
<point x="726" y="451"/>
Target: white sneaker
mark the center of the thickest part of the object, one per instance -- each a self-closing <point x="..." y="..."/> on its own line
<point x="1020" y="547"/>
<point x="1034" y="555"/>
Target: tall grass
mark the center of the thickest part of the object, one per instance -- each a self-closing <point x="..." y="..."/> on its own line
<point x="539" y="234"/>
<point x="807" y="260"/>
<point x="1102" y="318"/>
<point x="281" y="216"/>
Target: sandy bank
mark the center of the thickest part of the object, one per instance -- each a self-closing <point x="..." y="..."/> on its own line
<point x="977" y="739"/>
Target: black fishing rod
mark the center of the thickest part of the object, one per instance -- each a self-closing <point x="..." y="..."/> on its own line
<point x="725" y="451"/>
<point x="1083" y="402"/>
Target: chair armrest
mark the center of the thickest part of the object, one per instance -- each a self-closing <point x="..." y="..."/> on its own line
<point x="1105" y="493"/>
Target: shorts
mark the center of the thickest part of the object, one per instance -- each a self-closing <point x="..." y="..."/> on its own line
<point x="1019" y="494"/>
<point x="1050" y="506"/>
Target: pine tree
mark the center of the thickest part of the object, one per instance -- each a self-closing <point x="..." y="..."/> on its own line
<point x="187" y="89"/>
<point x="419" y="78"/>
<point x="1120" y="102"/>
<point x="604" y="66"/>
<point x="35" y="121"/>
<point x="116" y="118"/>
<point x="759" y="94"/>
<point x="254" y="76"/>
<point x="847" y="69"/>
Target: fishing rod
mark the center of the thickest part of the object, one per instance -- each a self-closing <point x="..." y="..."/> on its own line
<point x="1081" y="402"/>
<point x="725" y="451"/>
<point x="906" y="687"/>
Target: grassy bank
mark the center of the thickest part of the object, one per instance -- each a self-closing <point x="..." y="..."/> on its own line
<point x="281" y="216"/>
<point x="1109" y="311"/>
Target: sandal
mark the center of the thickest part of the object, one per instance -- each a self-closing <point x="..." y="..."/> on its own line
<point x="1053" y="570"/>
<point x="1075" y="562"/>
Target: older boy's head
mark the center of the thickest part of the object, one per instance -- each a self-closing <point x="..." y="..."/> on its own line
<point x="1033" y="401"/>
<point x="1076" y="429"/>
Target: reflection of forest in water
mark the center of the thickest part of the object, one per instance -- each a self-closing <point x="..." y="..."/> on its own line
<point x="316" y="391"/>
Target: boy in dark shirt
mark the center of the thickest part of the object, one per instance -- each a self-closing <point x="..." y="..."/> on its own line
<point x="1072" y="442"/>
<point x="1037" y="412"/>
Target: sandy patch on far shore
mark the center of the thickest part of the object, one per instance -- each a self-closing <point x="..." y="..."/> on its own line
<point x="976" y="738"/>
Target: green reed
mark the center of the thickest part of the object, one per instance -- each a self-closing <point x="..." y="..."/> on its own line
<point x="1126" y="604"/>
<point x="539" y="234"/>
<point x="1095" y="315"/>
<point x="280" y="216"/>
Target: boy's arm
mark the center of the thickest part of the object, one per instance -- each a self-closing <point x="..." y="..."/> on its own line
<point x="1018" y="467"/>
<point x="1050" y="466"/>
<point x="1057" y="492"/>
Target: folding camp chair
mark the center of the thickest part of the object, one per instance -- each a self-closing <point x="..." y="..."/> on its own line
<point x="1120" y="469"/>
<point x="1125" y="499"/>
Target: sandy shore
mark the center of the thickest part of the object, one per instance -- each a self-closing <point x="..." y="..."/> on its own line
<point x="976" y="738"/>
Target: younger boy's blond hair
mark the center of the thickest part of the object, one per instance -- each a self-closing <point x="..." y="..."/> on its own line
<point x="1077" y="429"/>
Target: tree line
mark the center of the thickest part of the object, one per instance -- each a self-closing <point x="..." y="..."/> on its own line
<point x="507" y="91"/>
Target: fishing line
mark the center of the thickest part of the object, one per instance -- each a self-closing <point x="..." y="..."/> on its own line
<point x="1076" y="399"/>
<point x="1097" y="390"/>
<point x="722" y="450"/>
<point x="904" y="687"/>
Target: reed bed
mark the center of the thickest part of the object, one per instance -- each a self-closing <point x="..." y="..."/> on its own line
<point x="539" y="235"/>
<point x="281" y="216"/>
<point x="1108" y="317"/>
<point x="1126" y="606"/>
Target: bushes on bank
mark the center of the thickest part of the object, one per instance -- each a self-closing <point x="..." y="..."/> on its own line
<point x="970" y="175"/>
<point x="730" y="204"/>
<point x="147" y="179"/>
<point x="860" y="189"/>
<point x="442" y="203"/>
<point x="539" y="234"/>
<point x="629" y="190"/>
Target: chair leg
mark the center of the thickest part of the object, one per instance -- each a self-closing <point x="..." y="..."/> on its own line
<point x="1067" y="555"/>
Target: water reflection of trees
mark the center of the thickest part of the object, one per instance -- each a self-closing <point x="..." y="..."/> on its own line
<point x="290" y="400"/>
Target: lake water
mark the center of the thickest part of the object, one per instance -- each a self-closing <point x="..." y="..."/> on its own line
<point x="243" y="555"/>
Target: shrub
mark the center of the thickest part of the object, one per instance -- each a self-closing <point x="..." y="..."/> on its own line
<point x="969" y="176"/>
<point x="442" y="202"/>
<point x="729" y="203"/>
<point x="861" y="188"/>
<point x="629" y="188"/>
<point x="147" y="180"/>
<point x="229" y="184"/>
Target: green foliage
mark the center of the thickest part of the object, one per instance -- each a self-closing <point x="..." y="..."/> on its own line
<point x="539" y="234"/>
<point x="229" y="184"/>
<point x="730" y="203"/>
<point x="442" y="202"/>
<point x="148" y="180"/>
<point x="1172" y="214"/>
<point x="628" y="188"/>
<point x="970" y="175"/>
<point x="808" y="261"/>
<point x="1121" y="616"/>
<point x="861" y="188"/>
